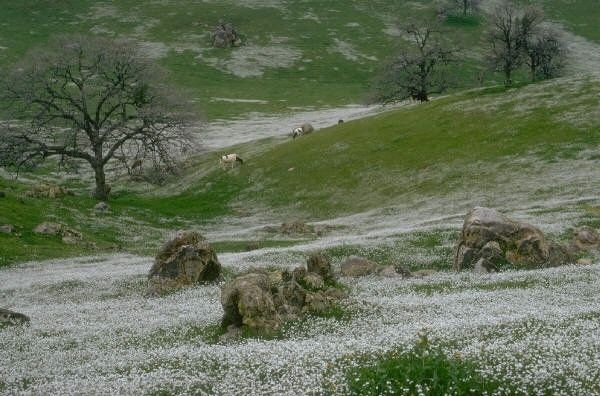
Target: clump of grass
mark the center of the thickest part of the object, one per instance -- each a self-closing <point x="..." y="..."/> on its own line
<point x="423" y="370"/>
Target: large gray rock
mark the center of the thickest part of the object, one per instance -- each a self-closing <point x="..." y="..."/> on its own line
<point x="358" y="266"/>
<point x="186" y="260"/>
<point x="10" y="318"/>
<point x="500" y="240"/>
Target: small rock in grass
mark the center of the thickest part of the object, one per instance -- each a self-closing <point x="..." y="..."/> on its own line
<point x="102" y="207"/>
<point x="6" y="229"/>
<point x="484" y="266"/>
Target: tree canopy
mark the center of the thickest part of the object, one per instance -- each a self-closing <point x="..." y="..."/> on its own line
<point x="94" y="100"/>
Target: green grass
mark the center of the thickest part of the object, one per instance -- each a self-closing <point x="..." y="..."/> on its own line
<point x="579" y="16"/>
<point x="425" y="369"/>
<point x="321" y="76"/>
<point x="461" y="143"/>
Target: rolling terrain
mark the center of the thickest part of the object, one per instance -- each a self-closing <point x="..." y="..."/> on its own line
<point x="391" y="184"/>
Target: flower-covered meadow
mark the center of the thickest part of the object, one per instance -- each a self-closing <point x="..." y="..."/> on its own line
<point x="92" y="331"/>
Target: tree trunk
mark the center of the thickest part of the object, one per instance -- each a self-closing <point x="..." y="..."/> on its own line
<point x="507" y="77"/>
<point x="102" y="189"/>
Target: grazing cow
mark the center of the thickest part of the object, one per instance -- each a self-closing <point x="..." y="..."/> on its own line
<point x="230" y="159"/>
<point x="303" y="129"/>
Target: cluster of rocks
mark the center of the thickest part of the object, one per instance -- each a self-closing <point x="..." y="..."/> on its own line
<point x="298" y="228"/>
<point x="490" y="240"/>
<point x="45" y="190"/>
<point x="186" y="260"/>
<point x="262" y="300"/>
<point x="225" y="35"/>
<point x="68" y="235"/>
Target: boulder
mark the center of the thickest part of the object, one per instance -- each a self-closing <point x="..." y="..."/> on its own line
<point x="102" y="207"/>
<point x="263" y="300"/>
<point x="69" y="235"/>
<point x="500" y="240"/>
<point x="586" y="238"/>
<point x="10" y="318"/>
<point x="247" y="300"/>
<point x="6" y="229"/>
<point x="186" y="260"/>
<point x="46" y="190"/>
<point x="225" y="35"/>
<point x="484" y="266"/>
<point x="358" y="266"/>
<point x="318" y="264"/>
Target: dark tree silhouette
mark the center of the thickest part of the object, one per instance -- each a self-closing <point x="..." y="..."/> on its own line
<point x="418" y="71"/>
<point x="93" y="100"/>
<point x="511" y="29"/>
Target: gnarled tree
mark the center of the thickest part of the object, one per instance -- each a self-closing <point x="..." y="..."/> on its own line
<point x="511" y="28"/>
<point x="545" y="54"/>
<point x="418" y="71"/>
<point x="93" y="100"/>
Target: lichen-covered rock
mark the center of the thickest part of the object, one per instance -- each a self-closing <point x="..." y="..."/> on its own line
<point x="186" y="260"/>
<point x="225" y="35"/>
<point x="45" y="190"/>
<point x="320" y="265"/>
<point x="586" y="238"/>
<point x="11" y="318"/>
<point x="484" y="266"/>
<point x="247" y="300"/>
<point x="263" y="300"/>
<point x="358" y="266"/>
<point x="498" y="239"/>
<point x="68" y="235"/>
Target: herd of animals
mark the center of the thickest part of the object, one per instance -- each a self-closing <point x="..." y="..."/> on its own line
<point x="230" y="160"/>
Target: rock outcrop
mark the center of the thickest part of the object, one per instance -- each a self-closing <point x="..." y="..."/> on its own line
<point x="11" y="318"/>
<point x="358" y="266"/>
<point x="45" y="190"/>
<point x="225" y="35"/>
<point x="586" y="238"/>
<point x="491" y="240"/>
<point x="68" y="235"/>
<point x="263" y="300"/>
<point x="186" y="260"/>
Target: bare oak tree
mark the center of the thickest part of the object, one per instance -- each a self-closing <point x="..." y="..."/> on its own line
<point x="511" y="30"/>
<point x="546" y="54"/>
<point x="93" y="100"/>
<point x="418" y="71"/>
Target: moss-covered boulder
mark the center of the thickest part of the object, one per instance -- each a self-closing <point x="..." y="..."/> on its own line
<point x="500" y="241"/>
<point x="186" y="260"/>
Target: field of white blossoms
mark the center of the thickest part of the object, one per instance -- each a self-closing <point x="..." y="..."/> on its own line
<point x="92" y="331"/>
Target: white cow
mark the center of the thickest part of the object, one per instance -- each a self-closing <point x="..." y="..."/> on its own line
<point x="230" y="159"/>
<point x="303" y="129"/>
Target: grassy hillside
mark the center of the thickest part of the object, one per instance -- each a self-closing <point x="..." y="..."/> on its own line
<point x="479" y="147"/>
<point x="308" y="54"/>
